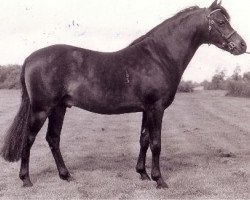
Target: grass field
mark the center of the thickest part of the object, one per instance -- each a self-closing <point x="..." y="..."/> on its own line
<point x="205" y="153"/>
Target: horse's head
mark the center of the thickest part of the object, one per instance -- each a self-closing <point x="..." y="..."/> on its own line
<point x="220" y="31"/>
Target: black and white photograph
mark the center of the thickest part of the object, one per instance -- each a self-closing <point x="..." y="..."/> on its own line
<point x="122" y="99"/>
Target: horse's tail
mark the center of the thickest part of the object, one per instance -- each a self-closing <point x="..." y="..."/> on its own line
<point x="16" y="136"/>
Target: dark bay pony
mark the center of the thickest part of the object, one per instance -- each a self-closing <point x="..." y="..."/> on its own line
<point x="142" y="77"/>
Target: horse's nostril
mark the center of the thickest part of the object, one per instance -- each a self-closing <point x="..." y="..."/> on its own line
<point x="243" y="44"/>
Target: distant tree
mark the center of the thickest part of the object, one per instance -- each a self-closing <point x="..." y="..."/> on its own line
<point x="186" y="86"/>
<point x="236" y="74"/>
<point x="238" y="85"/>
<point x="246" y="76"/>
<point x="218" y="79"/>
<point x="205" y="84"/>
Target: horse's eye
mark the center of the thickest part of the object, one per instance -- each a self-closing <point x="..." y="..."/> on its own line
<point x="221" y="22"/>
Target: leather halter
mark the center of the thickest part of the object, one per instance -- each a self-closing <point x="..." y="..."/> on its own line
<point x="211" y="25"/>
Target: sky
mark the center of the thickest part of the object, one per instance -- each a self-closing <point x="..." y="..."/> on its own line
<point x="109" y="25"/>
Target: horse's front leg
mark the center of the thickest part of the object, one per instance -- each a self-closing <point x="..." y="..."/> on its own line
<point x="154" y="122"/>
<point x="144" y="144"/>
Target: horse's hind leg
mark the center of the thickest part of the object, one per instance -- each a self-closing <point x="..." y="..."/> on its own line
<point x="53" y="137"/>
<point x="144" y="144"/>
<point x="35" y="122"/>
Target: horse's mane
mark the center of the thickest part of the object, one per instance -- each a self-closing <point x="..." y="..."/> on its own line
<point x="186" y="10"/>
<point x="180" y="13"/>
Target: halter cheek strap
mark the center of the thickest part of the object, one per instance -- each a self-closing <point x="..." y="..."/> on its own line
<point x="211" y="24"/>
<point x="211" y="21"/>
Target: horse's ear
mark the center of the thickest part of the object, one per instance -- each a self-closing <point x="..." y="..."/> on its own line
<point x="220" y="3"/>
<point x="215" y="4"/>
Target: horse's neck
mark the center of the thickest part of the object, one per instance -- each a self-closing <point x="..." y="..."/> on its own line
<point x="180" y="40"/>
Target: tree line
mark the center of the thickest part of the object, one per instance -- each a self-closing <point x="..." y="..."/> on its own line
<point x="10" y="77"/>
<point x="236" y="85"/>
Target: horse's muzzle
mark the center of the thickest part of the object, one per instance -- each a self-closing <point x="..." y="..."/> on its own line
<point x="237" y="48"/>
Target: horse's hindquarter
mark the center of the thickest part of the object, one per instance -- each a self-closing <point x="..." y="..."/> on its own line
<point x="43" y="76"/>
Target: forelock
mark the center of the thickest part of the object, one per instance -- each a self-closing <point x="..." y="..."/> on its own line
<point x="223" y="11"/>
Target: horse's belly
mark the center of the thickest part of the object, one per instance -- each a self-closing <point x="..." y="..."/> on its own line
<point x="109" y="108"/>
<point x="111" y="111"/>
<point x="105" y="104"/>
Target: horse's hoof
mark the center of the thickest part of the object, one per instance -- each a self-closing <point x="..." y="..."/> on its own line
<point x="70" y="178"/>
<point x="161" y="185"/>
<point x="27" y="184"/>
<point x="66" y="177"/>
<point x="145" y="177"/>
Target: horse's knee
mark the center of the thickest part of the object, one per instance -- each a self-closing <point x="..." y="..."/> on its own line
<point x="144" y="139"/>
<point x="155" y="147"/>
<point x="144" y="136"/>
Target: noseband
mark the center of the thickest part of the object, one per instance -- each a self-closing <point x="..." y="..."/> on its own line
<point x="211" y="25"/>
